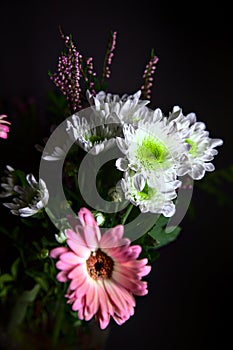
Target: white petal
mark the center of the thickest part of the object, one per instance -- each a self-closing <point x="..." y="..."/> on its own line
<point x="97" y="149"/>
<point x="169" y="210"/>
<point x="197" y="172"/>
<point x="215" y="142"/>
<point x="209" y="167"/>
<point x="25" y="212"/>
<point x="121" y="144"/>
<point x="122" y="164"/>
<point x="139" y="182"/>
<point x="31" y="180"/>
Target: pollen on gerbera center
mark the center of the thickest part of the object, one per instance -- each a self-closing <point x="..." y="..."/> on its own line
<point x="99" y="265"/>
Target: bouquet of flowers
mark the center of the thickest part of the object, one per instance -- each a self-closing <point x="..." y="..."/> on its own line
<point x="115" y="180"/>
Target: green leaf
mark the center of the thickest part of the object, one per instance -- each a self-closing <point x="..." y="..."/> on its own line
<point x="14" y="268"/>
<point x="162" y="221"/>
<point x="4" y="291"/>
<point x="6" y="277"/>
<point x="162" y="237"/>
<point x="20" y="308"/>
<point x="42" y="282"/>
<point x="150" y="253"/>
<point x="22" y="177"/>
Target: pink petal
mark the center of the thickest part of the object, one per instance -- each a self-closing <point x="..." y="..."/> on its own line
<point x="80" y="312"/>
<point x="76" y="236"/>
<point x="63" y="266"/>
<point x="112" y="237"/>
<point x="113" y="294"/>
<point x="4" y="128"/>
<point x="82" y="290"/>
<point x="121" y="318"/>
<point x="92" y="235"/>
<point x="56" y="252"/>
<point x="62" y="276"/>
<point x="78" y="304"/>
<point x="144" y="271"/>
<point x="86" y="217"/>
<point x="3" y="135"/>
<point x="105" y="306"/>
<point x="128" y="273"/>
<point x="126" y="282"/>
<point x="141" y="292"/>
<point x="92" y="302"/>
<point x="135" y="251"/>
<point x="80" y="250"/>
<point x="78" y="273"/>
<point x="103" y="319"/>
<point x="73" y="221"/>
<point x="71" y="258"/>
<point x="77" y="282"/>
<point x="136" y="263"/>
<point x="126" y="309"/>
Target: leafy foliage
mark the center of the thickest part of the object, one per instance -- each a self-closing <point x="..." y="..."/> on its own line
<point x="156" y="238"/>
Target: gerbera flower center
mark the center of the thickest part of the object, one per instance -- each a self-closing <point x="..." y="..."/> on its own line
<point x="193" y="149"/>
<point x="151" y="152"/>
<point x="99" y="265"/>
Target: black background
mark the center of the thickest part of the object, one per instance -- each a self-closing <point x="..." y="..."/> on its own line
<point x="189" y="303"/>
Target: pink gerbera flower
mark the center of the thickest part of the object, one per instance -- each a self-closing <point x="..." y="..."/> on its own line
<point x="102" y="270"/>
<point x="4" y="129"/>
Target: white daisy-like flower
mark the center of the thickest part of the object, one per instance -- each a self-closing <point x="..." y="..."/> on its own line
<point x="121" y="109"/>
<point x="202" y="147"/>
<point x="96" y="128"/>
<point x="93" y="135"/>
<point x="30" y="200"/>
<point x="8" y="182"/>
<point x="154" y="196"/>
<point x="151" y="147"/>
<point x="57" y="153"/>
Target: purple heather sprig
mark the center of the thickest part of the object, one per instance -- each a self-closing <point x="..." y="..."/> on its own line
<point x="89" y="75"/>
<point x="72" y="66"/>
<point x="109" y="56"/>
<point x="148" y="76"/>
<point x="67" y="77"/>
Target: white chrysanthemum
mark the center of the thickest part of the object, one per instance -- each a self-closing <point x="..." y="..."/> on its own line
<point x="153" y="146"/>
<point x="58" y="153"/>
<point x="124" y="109"/>
<point x="93" y="135"/>
<point x="29" y="200"/>
<point x="154" y="196"/>
<point x="202" y="147"/>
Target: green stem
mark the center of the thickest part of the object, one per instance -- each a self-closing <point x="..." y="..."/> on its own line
<point x="58" y="324"/>
<point x="130" y="207"/>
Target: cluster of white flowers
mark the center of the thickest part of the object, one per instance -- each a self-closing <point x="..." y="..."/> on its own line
<point x="156" y="150"/>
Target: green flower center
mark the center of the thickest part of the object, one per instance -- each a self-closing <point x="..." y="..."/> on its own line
<point x="95" y="139"/>
<point x="194" y="147"/>
<point x="151" y="153"/>
<point x="144" y="194"/>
